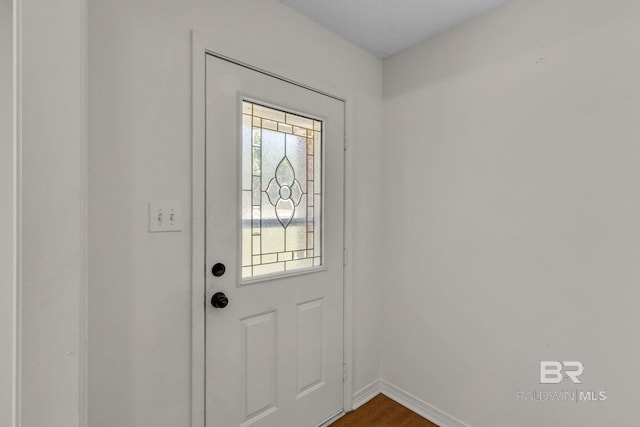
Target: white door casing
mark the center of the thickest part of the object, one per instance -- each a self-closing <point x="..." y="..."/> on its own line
<point x="274" y="355"/>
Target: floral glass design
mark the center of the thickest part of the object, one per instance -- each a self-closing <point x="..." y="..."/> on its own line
<point x="281" y="191"/>
<point x="284" y="192"/>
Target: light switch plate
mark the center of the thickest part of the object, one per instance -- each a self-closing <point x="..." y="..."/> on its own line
<point x="165" y="217"/>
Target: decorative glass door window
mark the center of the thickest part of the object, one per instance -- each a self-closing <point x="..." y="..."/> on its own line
<point x="281" y="191"/>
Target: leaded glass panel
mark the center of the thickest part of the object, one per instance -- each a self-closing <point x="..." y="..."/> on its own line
<point x="281" y="191"/>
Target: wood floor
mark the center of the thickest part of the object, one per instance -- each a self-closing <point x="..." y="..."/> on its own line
<point x="382" y="412"/>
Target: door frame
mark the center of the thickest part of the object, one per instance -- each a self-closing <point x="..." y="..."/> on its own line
<point x="202" y="45"/>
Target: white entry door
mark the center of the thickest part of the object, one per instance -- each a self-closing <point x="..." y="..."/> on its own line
<point x="274" y="250"/>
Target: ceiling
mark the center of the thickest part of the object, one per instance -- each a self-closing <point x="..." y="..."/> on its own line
<point x="385" y="27"/>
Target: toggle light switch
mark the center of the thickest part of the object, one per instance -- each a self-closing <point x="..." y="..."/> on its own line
<point x="165" y="216"/>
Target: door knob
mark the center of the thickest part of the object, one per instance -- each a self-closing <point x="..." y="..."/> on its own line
<point x="219" y="300"/>
<point x="218" y="269"/>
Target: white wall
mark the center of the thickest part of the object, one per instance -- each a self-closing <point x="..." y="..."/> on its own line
<point x="54" y="146"/>
<point x="511" y="210"/>
<point x="6" y="211"/>
<point x="140" y="150"/>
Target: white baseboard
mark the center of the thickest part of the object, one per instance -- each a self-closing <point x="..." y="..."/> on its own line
<point x="419" y="406"/>
<point x="366" y="393"/>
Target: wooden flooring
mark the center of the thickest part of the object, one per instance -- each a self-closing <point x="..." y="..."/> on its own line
<point x="382" y="412"/>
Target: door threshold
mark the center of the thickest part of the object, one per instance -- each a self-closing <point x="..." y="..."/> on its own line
<point x="332" y="419"/>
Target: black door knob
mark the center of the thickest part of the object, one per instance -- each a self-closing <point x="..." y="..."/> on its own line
<point x="218" y="269"/>
<point x="219" y="300"/>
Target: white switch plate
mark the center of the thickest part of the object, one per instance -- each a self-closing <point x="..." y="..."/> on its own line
<point x="165" y="216"/>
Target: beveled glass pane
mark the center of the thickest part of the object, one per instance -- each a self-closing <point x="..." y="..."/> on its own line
<point x="310" y="166"/>
<point x="256" y="161"/>
<point x="296" y="120"/>
<point x="299" y="264"/>
<point x="317" y="158"/>
<point x="296" y="153"/>
<point x="269" y="258"/>
<point x="310" y="191"/>
<point x="246" y="152"/>
<point x="296" y="232"/>
<point x="269" y="124"/>
<point x="285" y="128"/>
<point x="272" y="231"/>
<point x="256" y="249"/>
<point x="273" y="146"/>
<point x="256" y="223"/>
<point x="285" y="256"/>
<point x="257" y="136"/>
<point x="268" y="113"/>
<point x="281" y="170"/>
<point x="257" y="191"/>
<point x="300" y="131"/>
